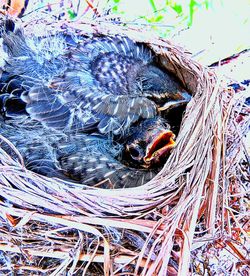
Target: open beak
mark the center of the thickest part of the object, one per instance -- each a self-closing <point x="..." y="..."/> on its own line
<point x="160" y="147"/>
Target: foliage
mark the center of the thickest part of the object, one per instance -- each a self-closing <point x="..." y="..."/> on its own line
<point x="159" y="14"/>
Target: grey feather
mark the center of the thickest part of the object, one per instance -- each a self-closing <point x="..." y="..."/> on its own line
<point x="86" y="159"/>
<point x="102" y="82"/>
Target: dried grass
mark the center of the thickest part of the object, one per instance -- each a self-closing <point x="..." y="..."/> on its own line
<point x="49" y="226"/>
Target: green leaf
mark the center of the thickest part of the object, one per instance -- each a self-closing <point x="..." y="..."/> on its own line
<point x="192" y="6"/>
<point x="71" y="14"/>
<point x="115" y="9"/>
<point x="207" y="4"/>
<point x="177" y="8"/>
<point x="159" y="18"/>
<point x="152" y="3"/>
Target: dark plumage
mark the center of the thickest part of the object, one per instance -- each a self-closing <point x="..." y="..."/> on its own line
<point x="88" y="159"/>
<point x="67" y="83"/>
<point x="60" y="94"/>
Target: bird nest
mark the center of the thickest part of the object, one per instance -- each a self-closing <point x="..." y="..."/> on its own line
<point x="50" y="226"/>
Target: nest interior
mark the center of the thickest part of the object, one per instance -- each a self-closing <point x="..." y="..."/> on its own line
<point x="56" y="227"/>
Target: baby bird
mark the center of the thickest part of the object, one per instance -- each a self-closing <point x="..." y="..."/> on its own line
<point x="92" y="160"/>
<point x="69" y="83"/>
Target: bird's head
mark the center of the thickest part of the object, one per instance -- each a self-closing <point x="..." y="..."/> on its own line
<point x="160" y="86"/>
<point x="149" y="143"/>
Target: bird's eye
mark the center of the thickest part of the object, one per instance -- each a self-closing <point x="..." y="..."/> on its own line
<point x="134" y="152"/>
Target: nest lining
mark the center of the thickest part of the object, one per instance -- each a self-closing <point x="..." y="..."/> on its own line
<point x="79" y="223"/>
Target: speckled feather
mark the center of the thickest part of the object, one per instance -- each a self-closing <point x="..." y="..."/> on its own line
<point x="68" y="82"/>
<point x="89" y="160"/>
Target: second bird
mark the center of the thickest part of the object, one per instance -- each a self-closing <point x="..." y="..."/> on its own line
<point x="92" y="160"/>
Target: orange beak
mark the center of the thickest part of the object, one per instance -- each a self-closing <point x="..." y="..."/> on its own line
<point x="160" y="147"/>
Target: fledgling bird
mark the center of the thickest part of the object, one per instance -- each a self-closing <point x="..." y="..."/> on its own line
<point x="99" y="84"/>
<point x="92" y="160"/>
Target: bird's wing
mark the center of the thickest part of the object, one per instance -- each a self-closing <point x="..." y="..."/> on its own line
<point x="93" y="162"/>
<point x="108" y="61"/>
<point x="85" y="111"/>
<point x="117" y="113"/>
<point x="58" y="86"/>
<point x="102" y="171"/>
<point x="35" y="146"/>
<point x="86" y="159"/>
<point x="48" y="107"/>
<point x="120" y="45"/>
